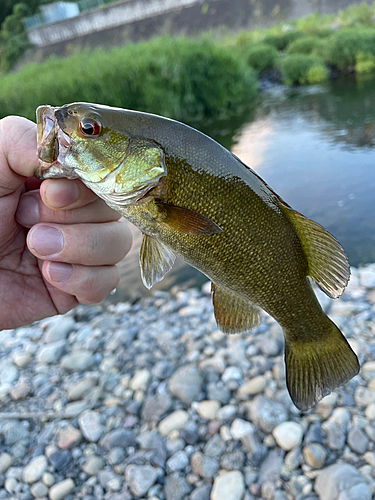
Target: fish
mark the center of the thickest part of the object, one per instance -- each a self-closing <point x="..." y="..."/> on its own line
<point x="193" y="198"/>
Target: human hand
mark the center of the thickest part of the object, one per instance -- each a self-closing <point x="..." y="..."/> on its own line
<point x="69" y="254"/>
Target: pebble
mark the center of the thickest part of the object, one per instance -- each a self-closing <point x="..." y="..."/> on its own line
<point x="140" y="478"/>
<point x="228" y="486"/>
<point x="8" y="373"/>
<point x="207" y="409"/>
<point x="59" y="329"/>
<point x="357" y="440"/>
<point x="6" y="461"/>
<point x="251" y="387"/>
<point x="39" y="490"/>
<point x="78" y="361"/>
<point x="185" y="384"/>
<point x="62" y="489"/>
<point x="314" y="455"/>
<point x="204" y="465"/>
<point x="140" y="380"/>
<point x="173" y="422"/>
<point x="176" y="487"/>
<point x="341" y="482"/>
<point x="51" y="353"/>
<point x="20" y="391"/>
<point x="93" y="465"/>
<point x="265" y="413"/>
<point x="68" y="437"/>
<point x="21" y="359"/>
<point x="89" y="423"/>
<point x="288" y="435"/>
<point x="80" y="389"/>
<point x="34" y="469"/>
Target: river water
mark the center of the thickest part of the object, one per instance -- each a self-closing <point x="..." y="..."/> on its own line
<point x="315" y="147"/>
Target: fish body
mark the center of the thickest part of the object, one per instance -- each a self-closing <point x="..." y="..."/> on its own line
<point x="193" y="198"/>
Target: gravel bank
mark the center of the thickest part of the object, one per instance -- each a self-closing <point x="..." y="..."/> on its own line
<point x="150" y="400"/>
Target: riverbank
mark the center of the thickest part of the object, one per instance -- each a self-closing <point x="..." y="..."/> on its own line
<point x="149" y="399"/>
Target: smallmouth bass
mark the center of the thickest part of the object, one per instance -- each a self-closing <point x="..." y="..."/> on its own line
<point x="192" y="198"/>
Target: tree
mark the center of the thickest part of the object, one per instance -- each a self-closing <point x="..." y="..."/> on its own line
<point x="13" y="38"/>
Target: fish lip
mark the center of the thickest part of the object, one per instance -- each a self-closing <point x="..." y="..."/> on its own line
<point x="53" y="144"/>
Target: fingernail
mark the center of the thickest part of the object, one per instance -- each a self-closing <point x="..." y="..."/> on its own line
<point x="59" y="271"/>
<point x="46" y="240"/>
<point x="28" y="211"/>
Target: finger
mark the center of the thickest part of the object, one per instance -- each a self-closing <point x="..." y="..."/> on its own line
<point x="89" y="284"/>
<point x="66" y="194"/>
<point x="86" y="244"/>
<point x="31" y="210"/>
<point x="18" y="158"/>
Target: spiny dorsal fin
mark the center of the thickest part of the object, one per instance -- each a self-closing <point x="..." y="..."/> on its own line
<point x="186" y="221"/>
<point x="155" y="260"/>
<point x="233" y="314"/>
<point x="327" y="260"/>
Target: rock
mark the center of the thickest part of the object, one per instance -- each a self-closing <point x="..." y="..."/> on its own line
<point x="364" y="396"/>
<point x="215" y="447"/>
<point x="116" y="455"/>
<point x="89" y="423"/>
<point x="13" y="432"/>
<point x="228" y="486"/>
<point x="226" y="412"/>
<point x="204" y="466"/>
<point x="265" y="413"/>
<point x="34" y="469"/>
<point x="251" y="387"/>
<point x="11" y="485"/>
<point x="201" y="493"/>
<point x="314" y="455"/>
<point x="5" y="389"/>
<point x="207" y="409"/>
<point x="176" y="487"/>
<point x="6" y="461"/>
<point x="140" y="380"/>
<point x="178" y="461"/>
<point x="288" y="435"/>
<point x="118" y="437"/>
<point x="110" y="481"/>
<point x="163" y="370"/>
<point x="21" y="390"/>
<point x="8" y="373"/>
<point x="59" y="329"/>
<point x="155" y="406"/>
<point x="240" y="428"/>
<point x="233" y="460"/>
<point x="68" y="437"/>
<point x="174" y="421"/>
<point x="21" y="359"/>
<point x="140" y="478"/>
<point x="232" y="373"/>
<point x="185" y="384"/>
<point x="341" y="482"/>
<point x="75" y="408"/>
<point x="48" y="479"/>
<point x="367" y="276"/>
<point x="336" y="435"/>
<point x="60" y="459"/>
<point x="51" y="353"/>
<point x="270" y="469"/>
<point x="370" y="411"/>
<point x="62" y="489"/>
<point x="80" y="389"/>
<point x="78" y="361"/>
<point x="357" y="440"/>
<point x="93" y="465"/>
<point x="39" y="490"/>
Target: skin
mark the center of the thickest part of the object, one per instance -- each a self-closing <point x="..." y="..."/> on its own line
<point x="36" y="280"/>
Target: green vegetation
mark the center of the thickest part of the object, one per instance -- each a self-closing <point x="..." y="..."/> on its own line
<point x="187" y="79"/>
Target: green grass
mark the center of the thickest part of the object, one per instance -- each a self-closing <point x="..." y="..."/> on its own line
<point x="302" y="69"/>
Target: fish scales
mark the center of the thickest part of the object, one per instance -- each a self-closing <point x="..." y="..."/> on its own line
<point x="192" y="198"/>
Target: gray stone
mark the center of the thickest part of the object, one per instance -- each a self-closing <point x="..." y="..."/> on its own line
<point x="265" y="413"/>
<point x="203" y="465"/>
<point x="228" y="486"/>
<point x="22" y="359"/>
<point x="93" y="465"/>
<point x="62" y="489"/>
<point x="68" y="437"/>
<point x="116" y="455"/>
<point x="13" y="432"/>
<point x="232" y="460"/>
<point x="185" y="384"/>
<point x="78" y="361"/>
<point x="6" y="461"/>
<point x="271" y="466"/>
<point x="364" y="396"/>
<point x="155" y="406"/>
<point x="341" y="482"/>
<point x="251" y="387"/>
<point x="8" y="373"/>
<point x="34" y="469"/>
<point x="39" y="490"/>
<point x="336" y="436"/>
<point x="201" y="493"/>
<point x="118" y="437"/>
<point x="60" y="459"/>
<point x="60" y="329"/>
<point x="314" y="455"/>
<point x="288" y="435"/>
<point x="163" y="369"/>
<point x="21" y="390"/>
<point x="80" y="389"/>
<point x="109" y="480"/>
<point x="178" y="461"/>
<point x="89" y="423"/>
<point x="140" y="478"/>
<point x="357" y="440"/>
<point x="174" y="421"/>
<point x="176" y="487"/>
<point x="214" y="447"/>
<point x="51" y="353"/>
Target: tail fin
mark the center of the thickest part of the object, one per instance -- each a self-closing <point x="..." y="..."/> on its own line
<point x="315" y="368"/>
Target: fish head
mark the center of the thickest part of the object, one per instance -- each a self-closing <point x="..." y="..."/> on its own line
<point x="84" y="141"/>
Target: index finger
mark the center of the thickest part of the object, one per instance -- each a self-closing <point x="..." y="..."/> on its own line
<point x="18" y="152"/>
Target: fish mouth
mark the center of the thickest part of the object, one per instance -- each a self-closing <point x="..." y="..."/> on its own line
<point x="53" y="144"/>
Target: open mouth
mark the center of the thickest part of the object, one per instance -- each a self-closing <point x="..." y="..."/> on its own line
<point x="53" y="143"/>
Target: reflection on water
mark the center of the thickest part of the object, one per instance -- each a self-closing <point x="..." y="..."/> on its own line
<point x="316" y="148"/>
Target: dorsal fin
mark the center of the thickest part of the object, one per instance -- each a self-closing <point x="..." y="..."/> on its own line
<point x="155" y="260"/>
<point x="232" y="313"/>
<point x="327" y="260"/>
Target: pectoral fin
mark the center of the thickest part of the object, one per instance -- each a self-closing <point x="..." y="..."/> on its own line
<point x="233" y="314"/>
<point x="327" y="260"/>
<point x="155" y="260"/>
<point x="186" y="221"/>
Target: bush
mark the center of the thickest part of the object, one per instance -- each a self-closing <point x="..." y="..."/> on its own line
<point x="356" y="15"/>
<point x="301" y="69"/>
<point x="260" y="56"/>
<point x="365" y="63"/>
<point x="316" y="25"/>
<point x="176" y="77"/>
<point x="343" y="46"/>
<point x="281" y="39"/>
<point x="305" y="45"/>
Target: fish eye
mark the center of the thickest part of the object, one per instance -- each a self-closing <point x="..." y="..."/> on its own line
<point x="89" y="127"/>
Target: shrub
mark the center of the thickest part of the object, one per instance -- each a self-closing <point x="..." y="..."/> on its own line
<point x="343" y="46"/>
<point x="317" y="74"/>
<point x="176" y="77"/>
<point x="365" y="63"/>
<point x="316" y="25"/>
<point x="295" y="69"/>
<point x="281" y="39"/>
<point x="304" y="45"/>
<point x="260" y="56"/>
<point x="356" y="15"/>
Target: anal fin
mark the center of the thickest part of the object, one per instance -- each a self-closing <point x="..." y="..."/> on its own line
<point x="232" y="313"/>
<point x="327" y="260"/>
<point x="155" y="260"/>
